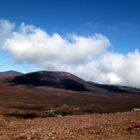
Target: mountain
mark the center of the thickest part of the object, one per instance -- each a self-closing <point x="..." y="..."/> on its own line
<point x="114" y="88"/>
<point x="56" y="79"/>
<point x="8" y="74"/>
<point x="65" y="80"/>
<point x="41" y="91"/>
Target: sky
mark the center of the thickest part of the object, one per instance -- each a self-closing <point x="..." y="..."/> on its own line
<point x="97" y="40"/>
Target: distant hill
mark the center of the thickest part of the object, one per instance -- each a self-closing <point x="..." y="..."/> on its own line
<point x="53" y="79"/>
<point x="8" y="74"/>
<point x="114" y="88"/>
<point x="65" y="80"/>
<point x="41" y="91"/>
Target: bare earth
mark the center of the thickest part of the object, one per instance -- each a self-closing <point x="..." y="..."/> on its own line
<point x="118" y="126"/>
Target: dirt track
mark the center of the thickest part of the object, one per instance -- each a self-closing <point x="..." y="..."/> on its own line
<point x="118" y="126"/>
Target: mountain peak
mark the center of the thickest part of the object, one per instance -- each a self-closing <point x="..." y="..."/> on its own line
<point x="56" y="79"/>
<point x="10" y="73"/>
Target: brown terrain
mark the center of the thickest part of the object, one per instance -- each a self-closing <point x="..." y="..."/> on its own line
<point x="58" y="105"/>
<point x="113" y="126"/>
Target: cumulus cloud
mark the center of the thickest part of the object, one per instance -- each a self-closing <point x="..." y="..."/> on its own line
<point x="6" y="27"/>
<point x="86" y="56"/>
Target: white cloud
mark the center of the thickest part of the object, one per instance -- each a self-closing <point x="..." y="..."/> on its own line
<point x="6" y="27"/>
<point x="30" y="43"/>
<point x="86" y="56"/>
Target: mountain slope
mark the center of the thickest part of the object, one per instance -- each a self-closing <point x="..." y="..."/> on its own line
<point x="4" y="76"/>
<point x="10" y="73"/>
<point x="114" y="88"/>
<point x="65" y="80"/>
<point x="53" y="79"/>
<point x="45" y="90"/>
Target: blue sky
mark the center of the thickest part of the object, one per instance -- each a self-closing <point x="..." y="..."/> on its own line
<point x="104" y="36"/>
<point x="117" y="19"/>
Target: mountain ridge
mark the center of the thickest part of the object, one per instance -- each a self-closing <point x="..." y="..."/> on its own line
<point x="64" y="80"/>
<point x="43" y="90"/>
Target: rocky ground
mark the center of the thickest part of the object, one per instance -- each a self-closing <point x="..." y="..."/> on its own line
<point x="118" y="126"/>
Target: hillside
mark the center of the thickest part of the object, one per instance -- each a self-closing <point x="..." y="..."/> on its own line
<point x="32" y="94"/>
<point x="10" y="73"/>
<point x="117" y="126"/>
<point x="6" y="75"/>
<point x="65" y="80"/>
<point x="62" y="80"/>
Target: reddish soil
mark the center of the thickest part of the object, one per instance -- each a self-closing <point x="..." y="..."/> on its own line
<point x="117" y="126"/>
<point x="22" y="109"/>
<point x="40" y="99"/>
